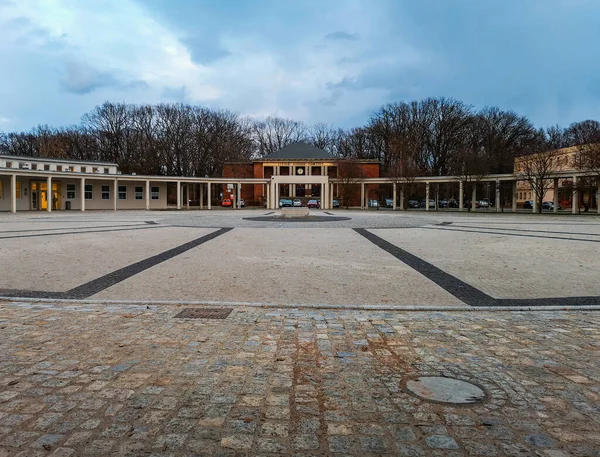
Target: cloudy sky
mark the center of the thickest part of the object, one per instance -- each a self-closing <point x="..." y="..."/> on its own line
<point x="332" y="61"/>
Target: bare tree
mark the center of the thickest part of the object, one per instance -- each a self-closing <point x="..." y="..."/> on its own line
<point x="537" y="169"/>
<point x="274" y="133"/>
<point x="323" y="136"/>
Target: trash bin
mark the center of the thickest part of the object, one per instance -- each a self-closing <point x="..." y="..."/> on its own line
<point x="67" y="205"/>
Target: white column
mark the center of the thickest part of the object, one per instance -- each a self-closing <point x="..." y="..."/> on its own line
<point x="331" y="195"/>
<point x="498" y="203"/>
<point x="575" y="197"/>
<point x="147" y="195"/>
<point x="276" y="195"/>
<point x="187" y="195"/>
<point x="461" y="200"/>
<point x="402" y="197"/>
<point x="555" y="200"/>
<point x="49" y="193"/>
<point x="178" y="194"/>
<point x="13" y="193"/>
<point x="208" y="196"/>
<point x="474" y="198"/>
<point x="116" y="194"/>
<point x="437" y="196"/>
<point x="394" y="196"/>
<point x="426" y="196"/>
<point x="268" y="191"/>
<point x="535" y="196"/>
<point x="201" y="186"/>
<point x="82" y="194"/>
<point x="324" y="196"/>
<point x="598" y="198"/>
<point x="239" y="195"/>
<point x="514" y="196"/>
<point x="362" y="195"/>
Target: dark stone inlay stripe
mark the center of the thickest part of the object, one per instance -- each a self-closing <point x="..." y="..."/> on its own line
<point x="449" y="229"/>
<point x="460" y="289"/>
<point x="36" y="235"/>
<point x="506" y="229"/>
<point x="552" y="301"/>
<point x="72" y="228"/>
<point x="104" y="282"/>
<point x="115" y="277"/>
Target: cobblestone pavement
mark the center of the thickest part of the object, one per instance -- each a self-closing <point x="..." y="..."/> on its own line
<point x="135" y="381"/>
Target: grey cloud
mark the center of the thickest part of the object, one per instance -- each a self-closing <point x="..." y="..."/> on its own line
<point x="81" y="78"/>
<point x="178" y="94"/>
<point x="342" y="36"/>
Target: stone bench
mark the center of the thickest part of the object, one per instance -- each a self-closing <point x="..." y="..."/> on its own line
<point x="294" y="212"/>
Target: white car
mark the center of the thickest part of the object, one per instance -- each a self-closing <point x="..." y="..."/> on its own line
<point x="297" y="202"/>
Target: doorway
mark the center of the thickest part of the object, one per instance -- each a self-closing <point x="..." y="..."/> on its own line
<point x="39" y="195"/>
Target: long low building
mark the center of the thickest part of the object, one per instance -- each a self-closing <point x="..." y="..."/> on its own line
<point x="298" y="171"/>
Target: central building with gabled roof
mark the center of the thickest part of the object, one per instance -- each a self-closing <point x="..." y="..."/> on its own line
<point x="299" y="171"/>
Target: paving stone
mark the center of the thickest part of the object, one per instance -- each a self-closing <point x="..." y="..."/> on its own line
<point x="539" y="440"/>
<point x="341" y="445"/>
<point x="349" y="405"/>
<point x="441" y="442"/>
<point x="305" y="442"/>
<point x="409" y="450"/>
<point x="237" y="442"/>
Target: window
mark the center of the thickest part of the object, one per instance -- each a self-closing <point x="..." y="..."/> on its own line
<point x="70" y="191"/>
<point x="59" y="168"/>
<point x="139" y="192"/>
<point x="122" y="192"/>
<point x="47" y="167"/>
<point x="105" y="192"/>
<point x="89" y="192"/>
<point x="106" y="171"/>
<point x="18" y="190"/>
<point x="155" y="193"/>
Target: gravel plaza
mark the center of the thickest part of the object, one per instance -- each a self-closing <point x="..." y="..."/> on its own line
<point x="325" y="322"/>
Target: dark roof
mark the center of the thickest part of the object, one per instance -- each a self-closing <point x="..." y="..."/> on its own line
<point x="300" y="151"/>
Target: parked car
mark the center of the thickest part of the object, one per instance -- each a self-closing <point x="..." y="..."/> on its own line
<point x="283" y="202"/>
<point x="336" y="203"/>
<point x="413" y="204"/>
<point x="484" y="203"/>
<point x="443" y="203"/>
<point x="431" y="204"/>
<point x="373" y="204"/>
<point x="549" y="205"/>
<point x="227" y="202"/>
<point x="389" y="203"/>
<point x="313" y="204"/>
<point x="467" y="204"/>
<point x="528" y="204"/>
<point x="452" y="203"/>
<point x="297" y="202"/>
<point x="242" y="203"/>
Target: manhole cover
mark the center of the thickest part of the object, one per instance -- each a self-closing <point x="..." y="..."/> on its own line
<point x="204" y="313"/>
<point x="445" y="390"/>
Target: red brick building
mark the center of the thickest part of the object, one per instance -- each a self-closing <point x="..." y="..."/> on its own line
<point x="302" y="160"/>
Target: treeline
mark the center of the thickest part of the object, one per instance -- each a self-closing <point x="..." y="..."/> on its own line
<point x="434" y="136"/>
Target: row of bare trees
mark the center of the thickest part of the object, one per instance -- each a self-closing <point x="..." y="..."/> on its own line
<point x="434" y="136"/>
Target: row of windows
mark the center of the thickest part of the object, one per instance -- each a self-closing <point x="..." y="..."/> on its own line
<point x="105" y="192"/>
<point x="525" y="195"/>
